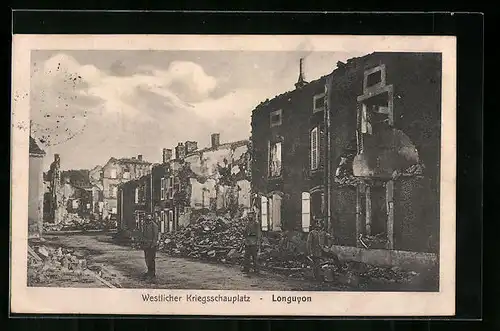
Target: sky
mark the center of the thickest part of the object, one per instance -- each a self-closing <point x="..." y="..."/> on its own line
<point x="89" y="106"/>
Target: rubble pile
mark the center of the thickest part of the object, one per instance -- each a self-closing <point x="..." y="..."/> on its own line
<point x="221" y="240"/>
<point x="282" y="255"/>
<point x="292" y="266"/>
<point x="73" y="222"/>
<point x="216" y="239"/>
<point x="50" y="265"/>
<point x="368" y="273"/>
<point x="414" y="170"/>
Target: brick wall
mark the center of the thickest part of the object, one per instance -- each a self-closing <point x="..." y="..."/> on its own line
<point x="294" y="132"/>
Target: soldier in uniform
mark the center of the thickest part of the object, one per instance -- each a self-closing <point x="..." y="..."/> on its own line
<point x="150" y="238"/>
<point x="317" y="247"/>
<point x="252" y="243"/>
<point x="314" y="250"/>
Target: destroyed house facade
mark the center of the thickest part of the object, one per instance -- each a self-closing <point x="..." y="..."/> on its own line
<point x="54" y="201"/>
<point x="134" y="202"/>
<point x="193" y="182"/>
<point x="288" y="157"/>
<point x="36" y="189"/>
<point x="70" y="192"/>
<point x="384" y="132"/>
<point x="115" y="172"/>
<point x="365" y="159"/>
<point x="80" y="199"/>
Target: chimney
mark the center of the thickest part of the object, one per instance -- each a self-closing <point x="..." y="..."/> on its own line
<point x="57" y="158"/>
<point x="180" y="151"/>
<point x="139" y="157"/>
<point x="215" y="140"/>
<point x="191" y="146"/>
<point x="301" y="81"/>
<point x="167" y="155"/>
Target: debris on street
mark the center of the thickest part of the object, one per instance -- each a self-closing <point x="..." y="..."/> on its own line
<point x="369" y="274"/>
<point x="73" y="222"/>
<point x="218" y="239"/>
<point x="49" y="265"/>
<point x="212" y="238"/>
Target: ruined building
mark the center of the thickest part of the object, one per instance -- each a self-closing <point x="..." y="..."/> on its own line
<point x="115" y="172"/>
<point x="70" y="192"/>
<point x="358" y="149"/>
<point x="188" y="183"/>
<point x="36" y="189"/>
<point x="288" y="166"/>
<point x="55" y="195"/>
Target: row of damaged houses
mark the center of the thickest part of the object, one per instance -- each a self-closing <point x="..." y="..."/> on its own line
<point x="87" y="194"/>
<point x="357" y="150"/>
<point x="188" y="183"/>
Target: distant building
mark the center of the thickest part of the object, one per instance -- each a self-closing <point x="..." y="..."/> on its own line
<point x="83" y="193"/>
<point x="36" y="189"/>
<point x="196" y="181"/>
<point x="70" y="191"/>
<point x="95" y="174"/>
<point x="133" y="198"/>
<point x="191" y="182"/>
<point x="55" y="199"/>
<point x="117" y="171"/>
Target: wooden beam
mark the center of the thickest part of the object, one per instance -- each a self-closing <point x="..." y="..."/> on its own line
<point x="34" y="254"/>
<point x="102" y="280"/>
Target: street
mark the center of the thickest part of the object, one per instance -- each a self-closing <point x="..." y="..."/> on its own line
<point x="125" y="266"/>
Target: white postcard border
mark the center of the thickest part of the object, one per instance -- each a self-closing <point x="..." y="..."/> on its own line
<point x="25" y="299"/>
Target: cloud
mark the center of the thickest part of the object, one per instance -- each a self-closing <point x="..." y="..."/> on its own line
<point x="190" y="80"/>
<point x="88" y="115"/>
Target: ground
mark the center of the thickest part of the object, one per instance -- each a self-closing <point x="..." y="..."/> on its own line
<point x="124" y="267"/>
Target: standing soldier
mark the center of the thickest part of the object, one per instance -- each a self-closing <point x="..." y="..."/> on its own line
<point x="314" y="250"/>
<point x="252" y="243"/>
<point x="317" y="247"/>
<point x="150" y="235"/>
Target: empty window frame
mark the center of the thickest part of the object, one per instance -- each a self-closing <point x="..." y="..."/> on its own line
<point x="170" y="187"/>
<point x="275" y="155"/>
<point x="276" y="118"/>
<point x="319" y="102"/>
<point x="113" y="191"/>
<point x="374" y="77"/>
<point x="177" y="184"/>
<point x="162" y="221"/>
<point x="171" y="221"/>
<point x="162" y="189"/>
<point x="112" y="173"/>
